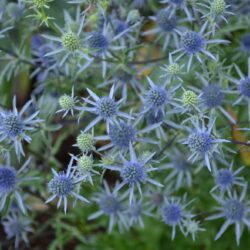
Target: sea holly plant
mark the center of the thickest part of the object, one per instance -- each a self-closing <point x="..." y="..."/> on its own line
<point x="115" y="115"/>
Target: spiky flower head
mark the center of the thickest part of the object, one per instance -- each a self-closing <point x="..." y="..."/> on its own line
<point x="189" y="98"/>
<point x="17" y="227"/>
<point x="85" y="142"/>
<point x="110" y="205"/>
<point x="224" y="178"/>
<point x="10" y="182"/>
<point x="234" y="210"/>
<point x="153" y="118"/>
<point x="192" y="227"/>
<point x="200" y="142"/>
<point x="173" y="69"/>
<point x="66" y="102"/>
<point x="8" y="179"/>
<point x="193" y="42"/>
<point x="85" y="164"/>
<point x="70" y="41"/>
<point x="212" y="96"/>
<point x="156" y="97"/>
<point x="106" y="107"/>
<point x="12" y="125"/>
<point x="172" y="214"/>
<point x="218" y="7"/>
<point x="165" y="22"/>
<point x="98" y="42"/>
<point x="61" y="185"/>
<point x="122" y="134"/>
<point x="245" y="42"/>
<point x="133" y="172"/>
<point x="244" y="87"/>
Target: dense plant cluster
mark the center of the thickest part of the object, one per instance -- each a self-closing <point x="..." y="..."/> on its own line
<point x="124" y="116"/>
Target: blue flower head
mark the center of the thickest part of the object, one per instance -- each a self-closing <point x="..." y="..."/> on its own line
<point x="98" y="42"/>
<point x="245" y="43"/>
<point x="10" y="181"/>
<point x="212" y="96"/>
<point x="226" y="178"/>
<point x="134" y="173"/>
<point x="17" y="227"/>
<point x="194" y="43"/>
<point x="105" y="108"/>
<point x="243" y="84"/>
<point x="201" y="142"/>
<point x="121" y="134"/>
<point x="63" y="185"/>
<point x="165" y="22"/>
<point x="174" y="214"/>
<point x="235" y="211"/>
<point x="13" y="126"/>
<point x="112" y="205"/>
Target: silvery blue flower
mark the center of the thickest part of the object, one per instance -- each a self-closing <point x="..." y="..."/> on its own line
<point x="134" y="173"/>
<point x="14" y="127"/>
<point x="16" y="226"/>
<point x="106" y="108"/>
<point x="63" y="185"/>
<point x="226" y="178"/>
<point x="235" y="211"/>
<point x="112" y="205"/>
<point x="174" y="213"/>
<point x="243" y="85"/>
<point x="202" y="143"/>
<point x="10" y="182"/>
<point x="194" y="43"/>
<point x="167" y="28"/>
<point x="174" y="5"/>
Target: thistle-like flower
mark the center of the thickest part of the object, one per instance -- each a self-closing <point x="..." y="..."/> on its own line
<point x="167" y="27"/>
<point x="69" y="42"/>
<point x="173" y="70"/>
<point x="226" y="178"/>
<point x="16" y="226"/>
<point x="243" y="85"/>
<point x="174" y="5"/>
<point x="194" y="43"/>
<point x="201" y="142"/>
<point x="192" y="227"/>
<point x="212" y="98"/>
<point x="174" y="213"/>
<point x="67" y="103"/>
<point x="105" y="108"/>
<point x="85" y="167"/>
<point x="112" y="205"/>
<point x="217" y="11"/>
<point x="136" y="211"/>
<point x="10" y="182"/>
<point x="157" y="97"/>
<point x="180" y="170"/>
<point x="63" y="185"/>
<point x="245" y="43"/>
<point x="134" y="173"/>
<point x="85" y="142"/>
<point x="122" y="134"/>
<point x="13" y="126"/>
<point x="235" y="210"/>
